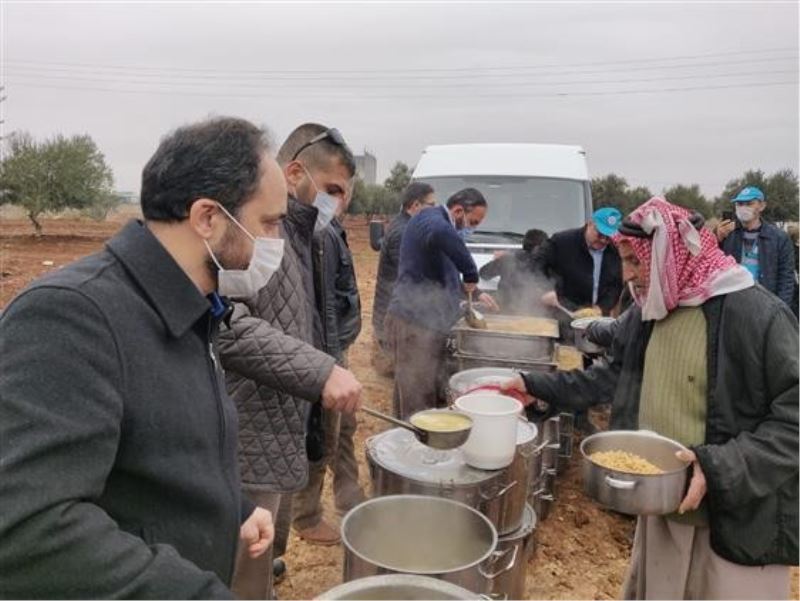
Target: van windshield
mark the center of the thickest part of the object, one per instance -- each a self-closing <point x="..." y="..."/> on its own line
<point x="517" y="204"/>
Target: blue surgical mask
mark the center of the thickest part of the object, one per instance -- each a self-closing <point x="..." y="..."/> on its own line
<point x="466" y="232"/>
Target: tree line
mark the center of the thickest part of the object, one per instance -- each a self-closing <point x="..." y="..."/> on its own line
<point x="58" y="173"/>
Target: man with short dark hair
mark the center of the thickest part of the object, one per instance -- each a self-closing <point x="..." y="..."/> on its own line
<point x="416" y="196"/>
<point x="277" y="373"/>
<point x="758" y="245"/>
<point x="118" y="455"/>
<point x="520" y="286"/>
<point x="427" y="295"/>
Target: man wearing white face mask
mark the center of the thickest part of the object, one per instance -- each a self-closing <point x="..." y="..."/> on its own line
<point x="759" y="246"/>
<point x="277" y="374"/>
<point x="118" y="459"/>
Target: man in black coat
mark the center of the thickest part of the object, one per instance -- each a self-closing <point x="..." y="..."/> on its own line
<point x="585" y="268"/>
<point x="416" y="196"/>
<point x="117" y="438"/>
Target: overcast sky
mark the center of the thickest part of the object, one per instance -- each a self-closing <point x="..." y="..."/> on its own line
<point x="397" y="77"/>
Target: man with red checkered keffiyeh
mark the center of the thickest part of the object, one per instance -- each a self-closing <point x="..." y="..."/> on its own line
<point x="710" y="359"/>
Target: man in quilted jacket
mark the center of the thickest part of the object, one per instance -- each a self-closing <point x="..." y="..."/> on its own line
<point x="276" y="373"/>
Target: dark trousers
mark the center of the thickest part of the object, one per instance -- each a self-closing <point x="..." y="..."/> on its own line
<point x="418" y="356"/>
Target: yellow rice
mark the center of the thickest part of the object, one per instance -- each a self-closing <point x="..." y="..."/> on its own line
<point x="623" y="461"/>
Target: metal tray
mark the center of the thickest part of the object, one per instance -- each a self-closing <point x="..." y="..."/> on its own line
<point x="504" y="345"/>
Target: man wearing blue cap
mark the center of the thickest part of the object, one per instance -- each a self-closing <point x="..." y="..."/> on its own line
<point x="759" y="246"/>
<point x="586" y="270"/>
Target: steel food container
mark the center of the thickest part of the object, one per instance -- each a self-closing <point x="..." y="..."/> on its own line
<point x="427" y="536"/>
<point x="399" y="464"/>
<point x="505" y="345"/>
<point x="636" y="494"/>
<point x="392" y="587"/>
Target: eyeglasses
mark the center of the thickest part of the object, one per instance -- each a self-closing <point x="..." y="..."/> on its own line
<point x="331" y="134"/>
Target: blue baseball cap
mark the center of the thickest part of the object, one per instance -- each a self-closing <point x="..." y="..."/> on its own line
<point x="747" y="194"/>
<point x="607" y="220"/>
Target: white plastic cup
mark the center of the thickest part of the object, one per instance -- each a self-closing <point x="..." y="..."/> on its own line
<point x="493" y="440"/>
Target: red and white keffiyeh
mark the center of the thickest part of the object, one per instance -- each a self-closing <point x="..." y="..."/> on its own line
<point x="686" y="267"/>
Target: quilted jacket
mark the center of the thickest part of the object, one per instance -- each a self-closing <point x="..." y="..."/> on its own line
<point x="273" y="370"/>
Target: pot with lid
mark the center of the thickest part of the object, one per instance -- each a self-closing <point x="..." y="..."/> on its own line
<point x="399" y="464"/>
<point x="520" y="544"/>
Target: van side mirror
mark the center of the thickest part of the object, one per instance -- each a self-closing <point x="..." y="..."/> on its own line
<point x="376" y="234"/>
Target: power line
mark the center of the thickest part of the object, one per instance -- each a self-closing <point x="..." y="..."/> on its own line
<point x="471" y="69"/>
<point x="231" y="75"/>
<point x="329" y="96"/>
<point x="379" y="85"/>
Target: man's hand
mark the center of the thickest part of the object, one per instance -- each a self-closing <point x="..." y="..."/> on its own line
<point x="257" y="532"/>
<point x="470" y="287"/>
<point x="550" y="298"/>
<point x="499" y="253"/>
<point x="342" y="391"/>
<point x="697" y="486"/>
<point x="489" y="302"/>
<point x="517" y="384"/>
<point x="725" y="227"/>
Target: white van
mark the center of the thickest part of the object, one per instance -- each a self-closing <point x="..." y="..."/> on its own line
<point x="542" y="186"/>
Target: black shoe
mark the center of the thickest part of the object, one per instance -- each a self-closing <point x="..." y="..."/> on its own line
<point x="278" y="570"/>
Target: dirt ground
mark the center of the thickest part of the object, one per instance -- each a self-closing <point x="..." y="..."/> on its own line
<point x="581" y="550"/>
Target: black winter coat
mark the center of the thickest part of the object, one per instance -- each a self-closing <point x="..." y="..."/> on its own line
<point x="336" y="290"/>
<point x="750" y="455"/>
<point x="118" y="475"/>
<point x="388" y="266"/>
<point x="565" y="258"/>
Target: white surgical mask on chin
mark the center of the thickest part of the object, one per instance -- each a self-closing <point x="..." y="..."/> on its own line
<point x="325" y="204"/>
<point x="243" y="284"/>
<point x="745" y="214"/>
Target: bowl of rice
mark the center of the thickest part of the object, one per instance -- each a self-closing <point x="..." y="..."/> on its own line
<point x="634" y="471"/>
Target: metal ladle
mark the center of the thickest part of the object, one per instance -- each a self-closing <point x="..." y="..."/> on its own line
<point x="473" y="318"/>
<point x="437" y="440"/>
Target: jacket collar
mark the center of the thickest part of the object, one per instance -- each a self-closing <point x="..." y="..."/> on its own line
<point x="165" y="285"/>
<point x="303" y="216"/>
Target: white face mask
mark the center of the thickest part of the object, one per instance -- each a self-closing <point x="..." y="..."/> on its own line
<point x="745" y="214"/>
<point x="325" y="204"/>
<point x="243" y="284"/>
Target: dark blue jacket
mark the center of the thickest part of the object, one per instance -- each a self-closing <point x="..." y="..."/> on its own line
<point x="775" y="258"/>
<point x="428" y="289"/>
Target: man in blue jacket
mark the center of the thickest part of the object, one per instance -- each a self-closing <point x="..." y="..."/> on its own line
<point x="759" y="246"/>
<point x="427" y="295"/>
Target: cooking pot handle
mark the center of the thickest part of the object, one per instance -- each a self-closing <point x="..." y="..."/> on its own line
<point x="620" y="484"/>
<point x="499" y="493"/>
<point x="497" y="555"/>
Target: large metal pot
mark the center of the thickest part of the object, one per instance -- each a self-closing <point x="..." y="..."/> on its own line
<point x="398" y="586"/>
<point x="399" y="464"/>
<point x="428" y="536"/>
<point x="636" y="494"/>
<point x="470" y="367"/>
<point x="521" y="545"/>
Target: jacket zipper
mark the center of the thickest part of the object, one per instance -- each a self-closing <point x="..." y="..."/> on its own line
<point x="323" y="308"/>
<point x="223" y="427"/>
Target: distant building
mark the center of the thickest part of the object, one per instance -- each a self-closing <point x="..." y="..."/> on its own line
<point x="367" y="167"/>
<point x="128" y="197"/>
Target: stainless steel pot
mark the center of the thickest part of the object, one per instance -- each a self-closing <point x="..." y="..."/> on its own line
<point x="521" y="545"/>
<point x="428" y="536"/>
<point x="398" y="464"/>
<point x="398" y="586"/>
<point x="636" y="494"/>
<point x="582" y="343"/>
<point x="462" y="382"/>
<point x="468" y="361"/>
